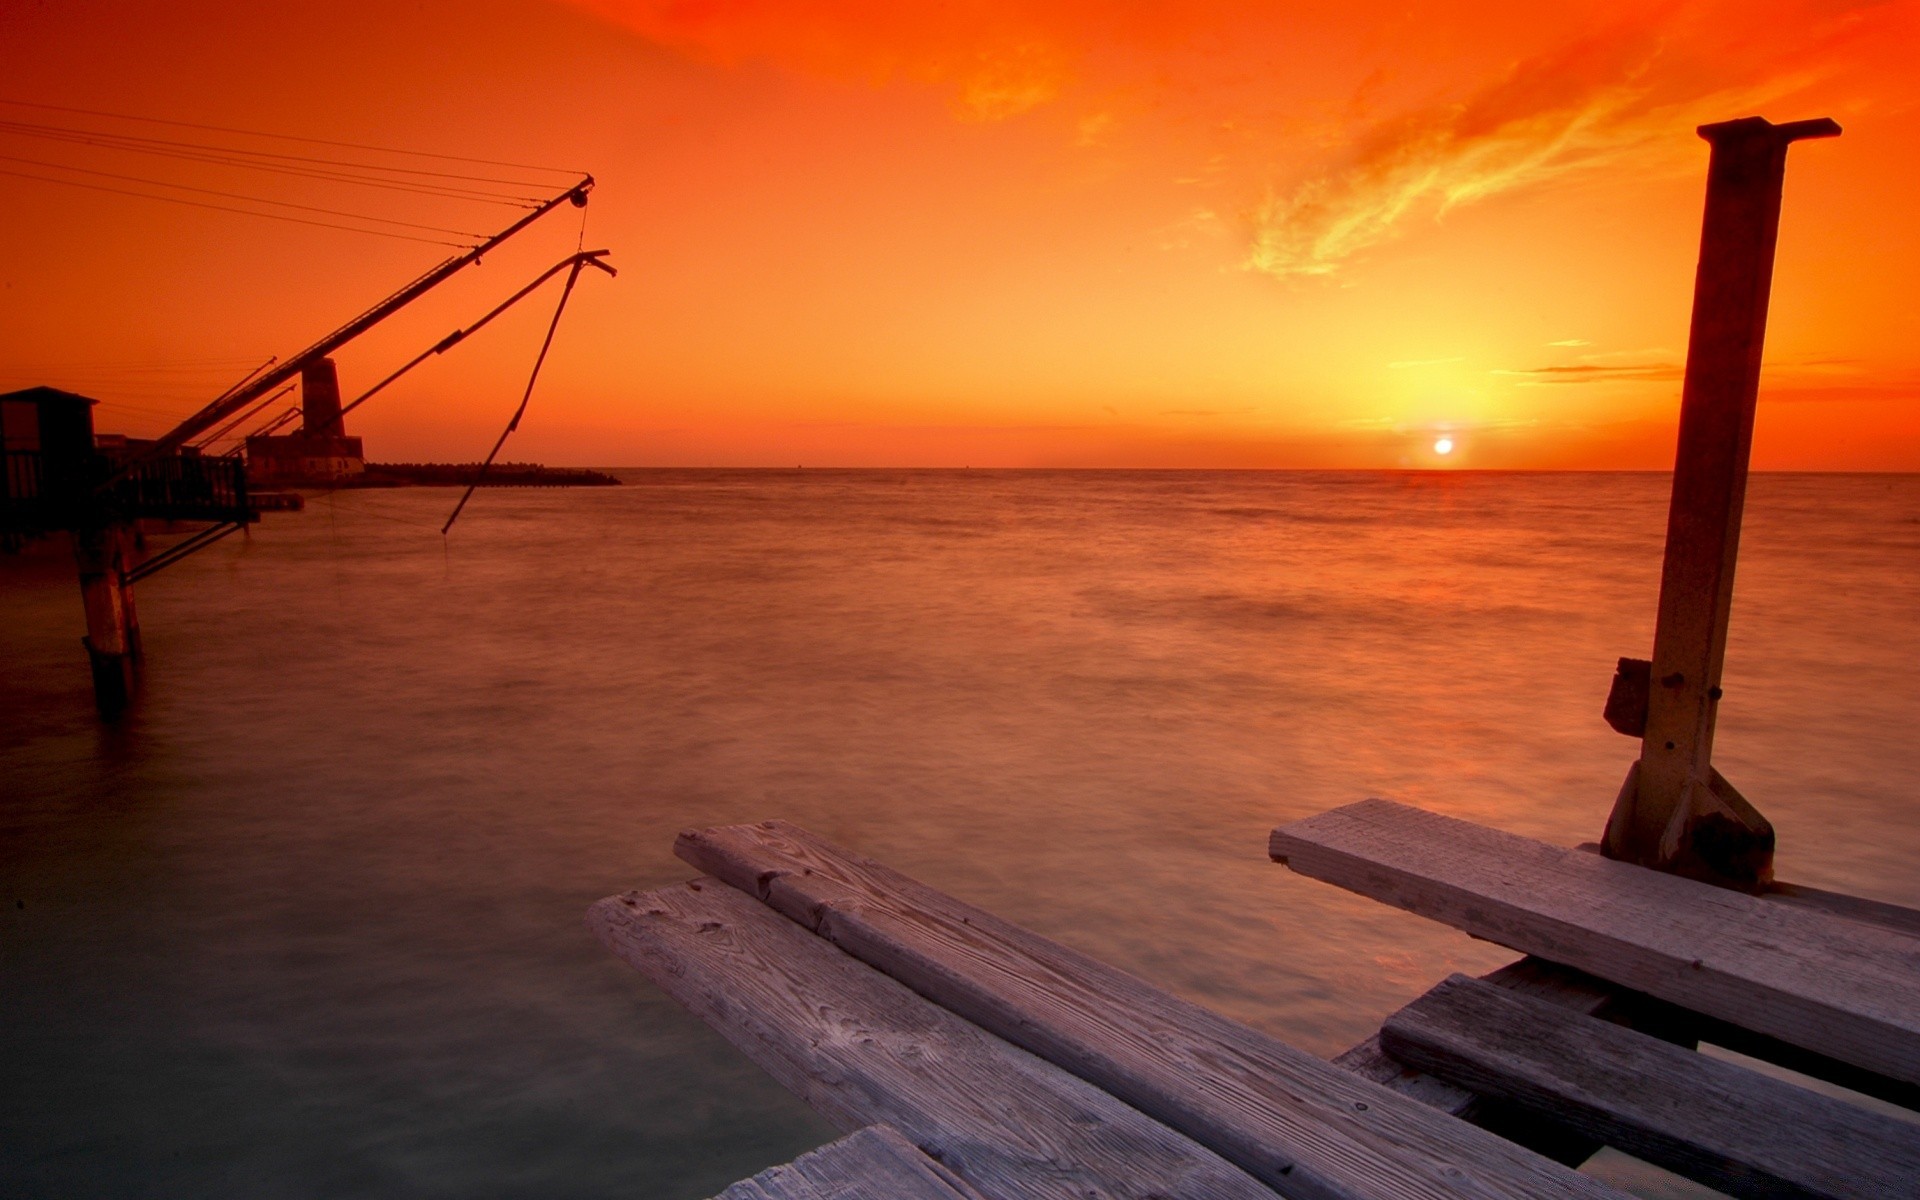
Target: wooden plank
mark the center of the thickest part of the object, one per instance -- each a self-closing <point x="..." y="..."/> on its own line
<point x="1574" y="991"/>
<point x="875" y="1163"/>
<point x="1370" y="1060"/>
<point x="1297" y="1123"/>
<point x="1570" y="989"/>
<point x="1807" y="1062"/>
<point x="1896" y="917"/>
<point x="862" y="1048"/>
<point x="1721" y="1124"/>
<point x="1841" y="988"/>
<point x="1577" y="991"/>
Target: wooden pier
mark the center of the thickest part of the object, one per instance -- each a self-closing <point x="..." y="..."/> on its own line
<point x="1018" y="1067"/>
<point x="968" y="1057"/>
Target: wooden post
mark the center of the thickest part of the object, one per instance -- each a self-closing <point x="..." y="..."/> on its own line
<point x="1675" y="812"/>
<point x="103" y="553"/>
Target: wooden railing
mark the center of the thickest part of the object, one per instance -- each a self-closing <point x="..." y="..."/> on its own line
<point x="185" y="487"/>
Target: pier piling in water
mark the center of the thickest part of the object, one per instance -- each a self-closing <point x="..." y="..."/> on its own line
<point x="104" y="555"/>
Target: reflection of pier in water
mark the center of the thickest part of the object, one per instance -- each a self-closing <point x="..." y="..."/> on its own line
<point x="972" y="1058"/>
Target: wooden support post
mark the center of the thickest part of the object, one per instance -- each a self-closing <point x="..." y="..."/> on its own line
<point x="103" y="552"/>
<point x="1675" y="812"/>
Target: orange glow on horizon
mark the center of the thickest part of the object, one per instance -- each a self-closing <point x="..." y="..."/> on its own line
<point x="1047" y="233"/>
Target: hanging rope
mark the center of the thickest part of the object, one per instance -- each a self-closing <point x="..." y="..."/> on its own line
<point x="573" y="276"/>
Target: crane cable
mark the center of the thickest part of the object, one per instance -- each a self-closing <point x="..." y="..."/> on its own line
<point x="459" y="335"/>
<point x="573" y="276"/>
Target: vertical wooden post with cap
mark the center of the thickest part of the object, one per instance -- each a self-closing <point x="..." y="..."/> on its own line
<point x="1675" y="812"/>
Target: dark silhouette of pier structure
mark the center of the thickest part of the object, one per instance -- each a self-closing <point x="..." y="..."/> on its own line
<point x="62" y="477"/>
<point x="320" y="451"/>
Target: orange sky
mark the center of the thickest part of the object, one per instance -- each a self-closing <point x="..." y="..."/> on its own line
<point x="1021" y="234"/>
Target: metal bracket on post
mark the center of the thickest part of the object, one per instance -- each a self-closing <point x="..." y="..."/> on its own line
<point x="1675" y="812"/>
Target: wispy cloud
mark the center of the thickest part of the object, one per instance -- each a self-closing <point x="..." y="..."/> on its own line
<point x="1347" y="178"/>
<point x="1788" y="380"/>
<point x="1595" y="102"/>
<point x="1598" y="373"/>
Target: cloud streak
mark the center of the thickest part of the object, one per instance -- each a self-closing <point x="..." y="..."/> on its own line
<point x="1344" y="180"/>
<point x="1597" y="101"/>
<point x="1598" y="373"/>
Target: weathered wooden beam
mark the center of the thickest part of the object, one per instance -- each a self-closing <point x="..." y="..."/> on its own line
<point x="863" y="1049"/>
<point x="1576" y="991"/>
<point x="1573" y="990"/>
<point x="1864" y="1080"/>
<point x="1896" y="917"/>
<point x="875" y="1163"/>
<point x="103" y="553"/>
<point x="1841" y="988"/>
<point x="1296" y="1122"/>
<point x="1550" y="983"/>
<point x="1714" y="1122"/>
<point x="1676" y="814"/>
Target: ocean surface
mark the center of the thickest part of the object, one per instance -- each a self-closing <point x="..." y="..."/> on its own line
<point x="308" y="921"/>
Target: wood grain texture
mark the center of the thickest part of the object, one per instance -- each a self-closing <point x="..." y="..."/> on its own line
<point x="1370" y="1060"/>
<point x="875" y="1163"/>
<point x="1572" y="990"/>
<point x="1299" y="1124"/>
<point x="1841" y="988"/>
<point x="1720" y="1124"/>
<point x="1806" y="1062"/>
<point x="863" y="1049"/>
<point x="1896" y="917"/>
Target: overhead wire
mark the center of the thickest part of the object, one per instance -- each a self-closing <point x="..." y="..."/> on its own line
<point x="224" y="156"/>
<point x="355" y="171"/>
<point x="169" y="367"/>
<point x="143" y="409"/>
<point x="130" y="140"/>
<point x="244" y="417"/>
<point x="187" y="187"/>
<point x="251" y="375"/>
<point x="288" y="137"/>
<point x="100" y="187"/>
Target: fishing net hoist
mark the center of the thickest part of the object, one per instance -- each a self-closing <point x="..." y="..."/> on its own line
<point x="62" y="479"/>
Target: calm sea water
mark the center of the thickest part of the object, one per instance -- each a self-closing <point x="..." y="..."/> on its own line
<point x="308" y="923"/>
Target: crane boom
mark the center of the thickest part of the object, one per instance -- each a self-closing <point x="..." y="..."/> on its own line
<point x="253" y="389"/>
